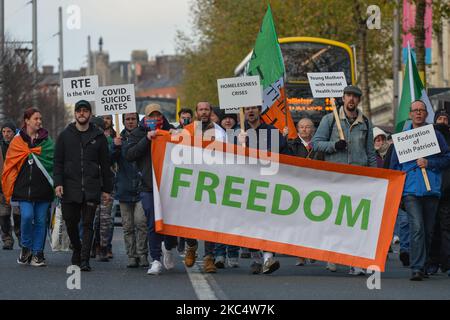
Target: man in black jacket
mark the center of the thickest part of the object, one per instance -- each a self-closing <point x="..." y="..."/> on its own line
<point x="138" y="150"/>
<point x="8" y="132"/>
<point x="82" y="176"/>
<point x="440" y="244"/>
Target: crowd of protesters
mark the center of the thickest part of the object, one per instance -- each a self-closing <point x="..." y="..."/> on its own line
<point x="91" y="167"/>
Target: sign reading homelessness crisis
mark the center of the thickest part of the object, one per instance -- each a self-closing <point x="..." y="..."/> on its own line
<point x="115" y="100"/>
<point x="417" y="143"/>
<point x="239" y="92"/>
<point x="327" y="84"/>
<point x="308" y="208"/>
<point x="80" y="88"/>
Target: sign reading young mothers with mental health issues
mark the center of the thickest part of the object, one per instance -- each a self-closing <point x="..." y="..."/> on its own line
<point x="80" y="88"/>
<point x="115" y="100"/>
<point x="324" y="211"/>
<point x="417" y="143"/>
<point x="327" y="84"/>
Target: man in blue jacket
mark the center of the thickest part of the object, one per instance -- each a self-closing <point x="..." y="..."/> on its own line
<point x="421" y="205"/>
<point x="127" y="192"/>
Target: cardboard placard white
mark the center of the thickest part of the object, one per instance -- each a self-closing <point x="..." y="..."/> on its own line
<point x="417" y="143"/>
<point x="327" y="84"/>
<point x="239" y="92"/>
<point x="115" y="100"/>
<point x="80" y="88"/>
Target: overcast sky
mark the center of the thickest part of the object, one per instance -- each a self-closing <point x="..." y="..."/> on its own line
<point x="124" y="25"/>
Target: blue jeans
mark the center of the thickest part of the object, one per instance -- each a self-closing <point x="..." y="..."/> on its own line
<point x="155" y="239"/>
<point x="402" y="227"/>
<point x="421" y="215"/>
<point x="33" y="224"/>
<point x="233" y="251"/>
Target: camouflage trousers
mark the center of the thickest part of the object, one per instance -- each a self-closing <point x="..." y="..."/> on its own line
<point x="5" y="222"/>
<point x="103" y="223"/>
<point x="135" y="229"/>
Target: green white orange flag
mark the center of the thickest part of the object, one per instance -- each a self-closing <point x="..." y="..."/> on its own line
<point x="413" y="89"/>
<point x="267" y="63"/>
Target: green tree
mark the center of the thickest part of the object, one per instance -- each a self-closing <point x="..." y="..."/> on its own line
<point x="225" y="32"/>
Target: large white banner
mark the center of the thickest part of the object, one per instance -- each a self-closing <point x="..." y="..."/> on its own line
<point x="327" y="214"/>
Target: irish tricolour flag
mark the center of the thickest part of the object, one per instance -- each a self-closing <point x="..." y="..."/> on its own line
<point x="412" y="90"/>
<point x="267" y="63"/>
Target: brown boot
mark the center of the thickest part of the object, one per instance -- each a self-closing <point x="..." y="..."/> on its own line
<point x="208" y="264"/>
<point x="190" y="255"/>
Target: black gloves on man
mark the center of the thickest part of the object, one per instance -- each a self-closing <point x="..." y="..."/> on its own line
<point x="340" y="145"/>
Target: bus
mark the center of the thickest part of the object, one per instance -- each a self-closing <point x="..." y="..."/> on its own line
<point x="309" y="54"/>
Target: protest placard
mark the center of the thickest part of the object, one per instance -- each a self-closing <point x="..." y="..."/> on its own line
<point x="80" y="88"/>
<point x="239" y="92"/>
<point x="113" y="100"/>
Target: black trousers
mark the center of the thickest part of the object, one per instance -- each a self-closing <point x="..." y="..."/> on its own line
<point x="440" y="244"/>
<point x="72" y="214"/>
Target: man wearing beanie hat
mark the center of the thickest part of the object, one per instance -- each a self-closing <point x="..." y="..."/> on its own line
<point x="8" y="133"/>
<point x="440" y="244"/>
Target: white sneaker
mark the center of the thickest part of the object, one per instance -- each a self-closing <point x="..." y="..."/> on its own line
<point x="396" y="240"/>
<point x="155" y="269"/>
<point x="233" y="262"/>
<point x="354" y="271"/>
<point x="331" y="266"/>
<point x="168" y="258"/>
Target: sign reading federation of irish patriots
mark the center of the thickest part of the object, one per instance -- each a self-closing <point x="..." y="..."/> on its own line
<point x="324" y="211"/>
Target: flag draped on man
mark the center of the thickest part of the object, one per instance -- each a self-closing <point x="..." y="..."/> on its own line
<point x="412" y="90"/>
<point x="267" y="63"/>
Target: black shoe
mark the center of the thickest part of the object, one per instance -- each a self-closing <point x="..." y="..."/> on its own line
<point x="416" y="276"/>
<point x="85" y="266"/>
<point x="25" y="256"/>
<point x="103" y="255"/>
<point x="432" y="268"/>
<point x="76" y="258"/>
<point x="38" y="260"/>
<point x="404" y="258"/>
<point x="256" y="268"/>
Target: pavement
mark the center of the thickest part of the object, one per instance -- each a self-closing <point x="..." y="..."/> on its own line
<point x="112" y="281"/>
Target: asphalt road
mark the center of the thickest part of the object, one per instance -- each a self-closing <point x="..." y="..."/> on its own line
<point x="112" y="280"/>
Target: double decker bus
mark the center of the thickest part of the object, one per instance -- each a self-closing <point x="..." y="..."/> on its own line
<point x="309" y="54"/>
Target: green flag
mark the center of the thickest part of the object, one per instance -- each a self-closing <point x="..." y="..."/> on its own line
<point x="412" y="90"/>
<point x="267" y="60"/>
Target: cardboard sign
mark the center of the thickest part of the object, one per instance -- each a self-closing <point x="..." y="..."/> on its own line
<point x="80" y="88"/>
<point x="327" y="84"/>
<point x="115" y="100"/>
<point x="239" y="92"/>
<point x="417" y="143"/>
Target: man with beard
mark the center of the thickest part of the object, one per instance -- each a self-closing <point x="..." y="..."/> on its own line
<point x="82" y="176"/>
<point x="356" y="149"/>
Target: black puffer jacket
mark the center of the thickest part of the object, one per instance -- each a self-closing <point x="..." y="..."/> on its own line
<point x="138" y="149"/>
<point x="82" y="164"/>
<point x="31" y="184"/>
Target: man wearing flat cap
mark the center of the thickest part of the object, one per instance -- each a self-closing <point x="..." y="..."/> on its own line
<point x="357" y="146"/>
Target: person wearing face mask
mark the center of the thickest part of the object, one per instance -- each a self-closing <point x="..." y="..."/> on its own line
<point x="381" y="145"/>
<point x="440" y="243"/>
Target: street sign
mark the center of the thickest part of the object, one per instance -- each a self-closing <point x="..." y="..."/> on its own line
<point x="115" y="100"/>
<point x="327" y="84"/>
<point x="80" y="88"/>
<point x="239" y="92"/>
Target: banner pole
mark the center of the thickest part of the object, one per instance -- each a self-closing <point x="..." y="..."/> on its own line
<point x="242" y="122"/>
<point x="425" y="178"/>
<point x="118" y="125"/>
<point x="338" y="121"/>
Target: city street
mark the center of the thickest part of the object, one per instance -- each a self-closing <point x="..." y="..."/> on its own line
<point x="112" y="280"/>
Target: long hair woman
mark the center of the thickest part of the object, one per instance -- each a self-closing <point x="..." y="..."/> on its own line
<point x="27" y="178"/>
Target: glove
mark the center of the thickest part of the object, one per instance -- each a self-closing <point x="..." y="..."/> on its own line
<point x="340" y="145"/>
